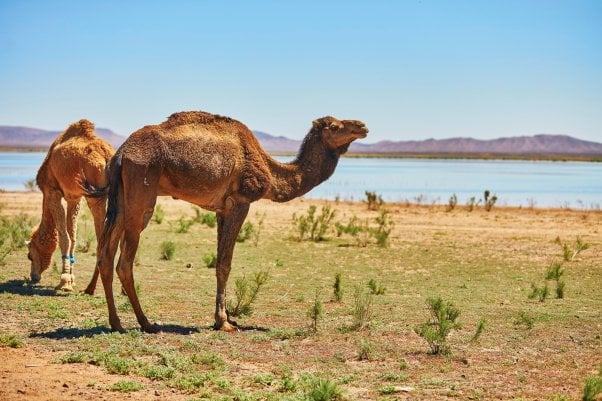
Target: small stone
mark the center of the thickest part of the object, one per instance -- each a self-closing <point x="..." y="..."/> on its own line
<point x="65" y="385"/>
<point x="157" y="393"/>
<point x="465" y="361"/>
<point x="189" y="265"/>
<point x="20" y="391"/>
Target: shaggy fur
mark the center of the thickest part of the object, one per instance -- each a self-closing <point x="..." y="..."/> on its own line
<point x="216" y="163"/>
<point x="74" y="167"/>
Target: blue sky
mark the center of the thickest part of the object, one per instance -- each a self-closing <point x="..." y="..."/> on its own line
<point x="408" y="69"/>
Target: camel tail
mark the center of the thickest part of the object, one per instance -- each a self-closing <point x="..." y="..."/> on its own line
<point x="93" y="192"/>
<point x="115" y="186"/>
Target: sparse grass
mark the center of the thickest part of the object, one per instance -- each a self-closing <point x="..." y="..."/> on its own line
<point x="365" y="350"/>
<point x="373" y="200"/>
<point x="541" y="293"/>
<point x="592" y="388"/>
<point x="524" y="319"/>
<point x="209" y="218"/>
<point x="483" y="263"/>
<point x="489" y="200"/>
<point x="314" y="226"/>
<point x="320" y="389"/>
<point x="183" y="225"/>
<point x="481" y="325"/>
<point x="168" y="250"/>
<point x="451" y="203"/>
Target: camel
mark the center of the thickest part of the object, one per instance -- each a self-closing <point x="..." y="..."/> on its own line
<point x="74" y="167"/>
<point x="214" y="162"/>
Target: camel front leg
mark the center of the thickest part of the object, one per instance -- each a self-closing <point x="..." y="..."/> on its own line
<point x="228" y="226"/>
<point x="97" y="207"/>
<point x="72" y="213"/>
<point x="58" y="214"/>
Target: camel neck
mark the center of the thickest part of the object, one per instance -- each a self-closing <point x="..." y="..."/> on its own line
<point x="312" y="166"/>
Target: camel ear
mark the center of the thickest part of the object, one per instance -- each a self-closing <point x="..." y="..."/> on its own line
<point x="316" y="124"/>
<point x="27" y="242"/>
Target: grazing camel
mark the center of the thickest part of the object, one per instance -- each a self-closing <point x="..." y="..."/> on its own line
<point x="74" y="167"/>
<point x="216" y="163"/>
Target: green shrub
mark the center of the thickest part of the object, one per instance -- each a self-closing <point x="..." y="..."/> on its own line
<point x="560" y="289"/>
<point x="524" y="319"/>
<point x="554" y="271"/>
<point x="337" y="288"/>
<point x="246" y="231"/>
<point x="489" y="201"/>
<point x="592" y="388"/>
<point x="451" y="203"/>
<point x="312" y="225"/>
<point x="210" y="260"/>
<point x="315" y="312"/>
<point x="373" y="200"/>
<point x="168" y="250"/>
<point x="383" y="228"/>
<point x="471" y="203"/>
<point x="570" y="253"/>
<point x="158" y="372"/>
<point x="359" y="231"/>
<point x="209" y="219"/>
<point x="158" y="214"/>
<point x="126" y="386"/>
<point x="10" y="340"/>
<point x="540" y="293"/>
<point x="480" y="329"/>
<point x="183" y="225"/>
<point x="320" y="389"/>
<point x="362" y="307"/>
<point x="376" y="288"/>
<point x="365" y="350"/>
<point x="246" y="292"/>
<point x="442" y="321"/>
<point x="30" y="185"/>
<point x="75" y="357"/>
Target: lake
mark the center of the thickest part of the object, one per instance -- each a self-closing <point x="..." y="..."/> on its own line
<point x="515" y="182"/>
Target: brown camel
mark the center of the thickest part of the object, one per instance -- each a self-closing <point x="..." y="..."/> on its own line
<point x="216" y="163"/>
<point x="74" y="167"/>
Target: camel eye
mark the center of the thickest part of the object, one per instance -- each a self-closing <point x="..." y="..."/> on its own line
<point x="334" y="127"/>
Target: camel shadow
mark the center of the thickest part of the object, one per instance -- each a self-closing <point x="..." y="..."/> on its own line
<point x="22" y="287"/>
<point x="74" y="332"/>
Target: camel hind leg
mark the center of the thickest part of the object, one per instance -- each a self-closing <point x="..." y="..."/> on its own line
<point x="73" y="207"/>
<point x="97" y="207"/>
<point x="58" y="214"/>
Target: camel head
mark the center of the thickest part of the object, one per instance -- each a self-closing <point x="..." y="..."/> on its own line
<point x="40" y="253"/>
<point x="338" y="134"/>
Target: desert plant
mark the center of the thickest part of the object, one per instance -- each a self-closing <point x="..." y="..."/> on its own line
<point x="10" y="340"/>
<point x="210" y="260"/>
<point x="480" y="329"/>
<point x="30" y="185"/>
<point x="451" y="203"/>
<point x="158" y="214"/>
<point x="471" y="203"/>
<point x="209" y="219"/>
<point x="489" y="201"/>
<point x="570" y="253"/>
<point x="362" y="307"/>
<point x="168" y="249"/>
<point x="337" y="288"/>
<point x="320" y="389"/>
<point x="315" y="226"/>
<point x="443" y="319"/>
<point x="126" y="386"/>
<point x="376" y="288"/>
<point x="524" y="319"/>
<point x="554" y="271"/>
<point x="359" y="231"/>
<point x="257" y="230"/>
<point x="246" y="292"/>
<point x="559" y="289"/>
<point x="246" y="232"/>
<point x="383" y="229"/>
<point x="592" y="388"/>
<point x="183" y="225"/>
<point x="315" y="312"/>
<point x="373" y="200"/>
<point x="540" y="293"/>
<point x="365" y="350"/>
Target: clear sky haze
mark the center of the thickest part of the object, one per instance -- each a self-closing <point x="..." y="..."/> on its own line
<point x="408" y="69"/>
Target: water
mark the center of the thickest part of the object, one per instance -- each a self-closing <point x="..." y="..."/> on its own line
<point x="516" y="183"/>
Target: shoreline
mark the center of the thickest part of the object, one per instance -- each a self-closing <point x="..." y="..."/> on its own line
<point x="450" y="156"/>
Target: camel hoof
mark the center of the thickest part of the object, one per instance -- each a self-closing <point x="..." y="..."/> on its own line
<point x="227" y="327"/>
<point x="66" y="283"/>
<point x="89" y="291"/>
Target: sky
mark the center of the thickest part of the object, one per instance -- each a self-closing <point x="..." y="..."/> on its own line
<point x="409" y="69"/>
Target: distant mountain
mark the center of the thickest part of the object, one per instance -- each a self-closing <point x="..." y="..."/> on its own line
<point x="521" y="145"/>
<point x="25" y="137"/>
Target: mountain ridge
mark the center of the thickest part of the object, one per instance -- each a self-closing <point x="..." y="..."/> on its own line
<point x="27" y="137"/>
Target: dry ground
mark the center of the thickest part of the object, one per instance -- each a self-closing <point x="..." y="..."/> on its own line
<point x="483" y="262"/>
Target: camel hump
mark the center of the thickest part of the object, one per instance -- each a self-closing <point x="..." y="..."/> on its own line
<point x="196" y="117"/>
<point x="82" y="127"/>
